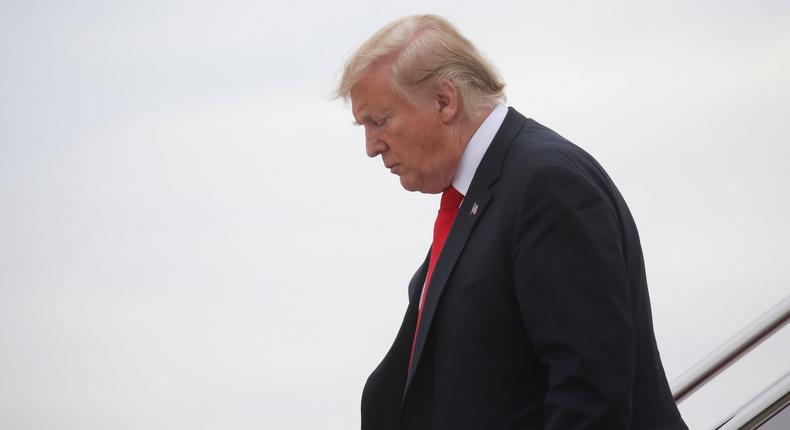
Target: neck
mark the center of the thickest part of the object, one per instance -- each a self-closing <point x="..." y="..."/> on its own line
<point x="468" y="126"/>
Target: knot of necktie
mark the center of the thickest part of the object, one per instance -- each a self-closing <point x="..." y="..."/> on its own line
<point x="451" y="198"/>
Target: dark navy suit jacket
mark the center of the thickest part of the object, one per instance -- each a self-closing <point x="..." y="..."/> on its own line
<point x="537" y="315"/>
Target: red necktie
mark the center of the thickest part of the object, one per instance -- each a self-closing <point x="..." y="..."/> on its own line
<point x="451" y="200"/>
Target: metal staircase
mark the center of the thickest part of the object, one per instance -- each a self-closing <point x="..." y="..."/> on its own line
<point x="768" y="410"/>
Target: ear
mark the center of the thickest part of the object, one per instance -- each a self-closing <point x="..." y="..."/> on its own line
<point x="448" y="100"/>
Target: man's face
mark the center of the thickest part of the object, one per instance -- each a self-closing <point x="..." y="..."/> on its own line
<point x="413" y="141"/>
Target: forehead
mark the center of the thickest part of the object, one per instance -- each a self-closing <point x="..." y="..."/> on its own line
<point x="372" y="94"/>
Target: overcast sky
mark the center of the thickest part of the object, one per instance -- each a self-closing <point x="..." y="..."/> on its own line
<point x="191" y="235"/>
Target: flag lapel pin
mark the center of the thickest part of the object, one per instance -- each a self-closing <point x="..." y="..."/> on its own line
<point x="474" y="209"/>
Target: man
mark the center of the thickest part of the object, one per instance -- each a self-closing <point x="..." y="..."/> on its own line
<point x="531" y="310"/>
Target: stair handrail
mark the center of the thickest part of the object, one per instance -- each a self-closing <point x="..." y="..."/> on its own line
<point x="729" y="352"/>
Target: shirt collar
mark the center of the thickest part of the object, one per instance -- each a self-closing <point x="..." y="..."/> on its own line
<point x="477" y="147"/>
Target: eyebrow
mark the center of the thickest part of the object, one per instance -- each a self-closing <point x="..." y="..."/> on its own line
<point x="365" y="118"/>
<point x="375" y="113"/>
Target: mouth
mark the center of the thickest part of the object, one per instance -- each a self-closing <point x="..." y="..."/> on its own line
<point x="394" y="167"/>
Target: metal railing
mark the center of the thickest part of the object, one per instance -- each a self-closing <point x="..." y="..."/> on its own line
<point x="721" y="358"/>
<point x="762" y="409"/>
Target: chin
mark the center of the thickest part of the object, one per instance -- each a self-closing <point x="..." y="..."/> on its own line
<point x="410" y="183"/>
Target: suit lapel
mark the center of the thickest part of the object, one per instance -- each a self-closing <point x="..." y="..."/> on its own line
<point x="417" y="281"/>
<point x="472" y="209"/>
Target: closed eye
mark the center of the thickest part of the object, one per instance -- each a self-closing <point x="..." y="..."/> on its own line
<point x="382" y="122"/>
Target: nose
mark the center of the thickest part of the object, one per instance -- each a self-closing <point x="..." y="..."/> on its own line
<point x="374" y="144"/>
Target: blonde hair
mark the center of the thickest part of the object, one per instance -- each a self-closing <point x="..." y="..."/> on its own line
<point x="421" y="51"/>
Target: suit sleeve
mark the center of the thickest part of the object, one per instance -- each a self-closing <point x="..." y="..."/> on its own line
<point x="572" y="287"/>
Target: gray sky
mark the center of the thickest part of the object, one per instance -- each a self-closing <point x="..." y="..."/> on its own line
<point x="191" y="235"/>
